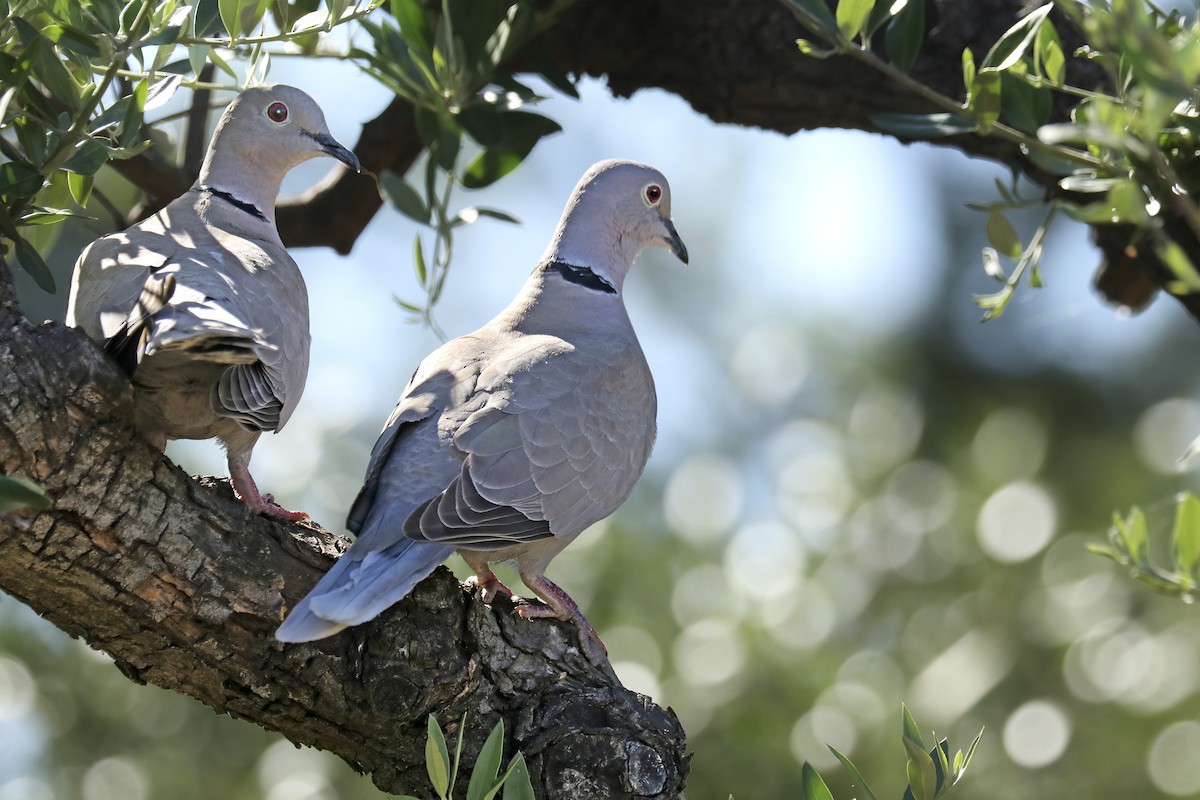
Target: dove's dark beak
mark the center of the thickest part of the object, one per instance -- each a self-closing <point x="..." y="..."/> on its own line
<point x="674" y="243"/>
<point x="331" y="147"/>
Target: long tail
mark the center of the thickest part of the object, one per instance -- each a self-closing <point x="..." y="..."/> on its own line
<point x="358" y="590"/>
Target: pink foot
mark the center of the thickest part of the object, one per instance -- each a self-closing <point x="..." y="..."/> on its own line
<point x="267" y="506"/>
<point x="247" y="491"/>
<point x="559" y="605"/>
<point x="489" y="586"/>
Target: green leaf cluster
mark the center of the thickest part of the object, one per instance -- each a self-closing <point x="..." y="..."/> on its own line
<point x="1125" y="156"/>
<point x="486" y="780"/>
<point x="76" y="81"/>
<point x="1129" y="546"/>
<point x="931" y="773"/>
<point x="453" y="67"/>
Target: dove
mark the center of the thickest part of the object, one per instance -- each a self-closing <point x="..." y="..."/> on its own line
<point x="200" y="304"/>
<point x="510" y="441"/>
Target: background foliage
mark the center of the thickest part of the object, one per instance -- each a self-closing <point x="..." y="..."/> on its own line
<point x="859" y="498"/>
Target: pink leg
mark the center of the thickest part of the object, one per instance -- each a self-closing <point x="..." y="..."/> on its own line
<point x="247" y="492"/>
<point x="560" y="606"/>
<point x="489" y="585"/>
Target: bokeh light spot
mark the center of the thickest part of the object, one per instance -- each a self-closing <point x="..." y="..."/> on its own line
<point x="920" y="496"/>
<point x="26" y="789"/>
<point x="770" y="363"/>
<point x="114" y="779"/>
<point x="884" y="428"/>
<point x="708" y="653"/>
<point x="1036" y="734"/>
<point x="814" y="732"/>
<point x="1172" y="762"/>
<point x="17" y="689"/>
<point x="1016" y="522"/>
<point x="704" y="498"/>
<point x="1163" y="433"/>
<point x="1010" y="445"/>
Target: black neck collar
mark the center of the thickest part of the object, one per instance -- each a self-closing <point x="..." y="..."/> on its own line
<point x="583" y="276"/>
<point x="249" y="208"/>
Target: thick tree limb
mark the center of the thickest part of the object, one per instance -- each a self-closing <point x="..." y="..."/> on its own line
<point x="184" y="589"/>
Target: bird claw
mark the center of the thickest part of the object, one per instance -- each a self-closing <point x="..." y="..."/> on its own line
<point x="589" y="640"/>
<point x="269" y="508"/>
<point x="489" y="587"/>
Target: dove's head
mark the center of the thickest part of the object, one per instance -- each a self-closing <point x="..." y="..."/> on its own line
<point x="617" y="210"/>
<point x="263" y="133"/>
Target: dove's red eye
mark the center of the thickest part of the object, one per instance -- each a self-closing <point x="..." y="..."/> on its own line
<point x="277" y="112"/>
<point x="653" y="193"/>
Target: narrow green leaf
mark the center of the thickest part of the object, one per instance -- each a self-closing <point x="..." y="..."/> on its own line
<point x="1185" y="535"/>
<point x="31" y="261"/>
<point x="1087" y="183"/>
<point x="910" y="730"/>
<point x="1128" y="202"/>
<point x="1175" y="259"/>
<point x="162" y="91"/>
<point x="1024" y="106"/>
<point x="47" y="67"/>
<point x="489" y="167"/>
<point x="984" y="98"/>
<point x="80" y="187"/>
<point x="814" y="15"/>
<point x="993" y="305"/>
<point x="314" y="20"/>
<point x="419" y="261"/>
<point x="1011" y="47"/>
<point x="852" y="16"/>
<point x="517" y="783"/>
<point x="437" y="759"/>
<point x="905" y="35"/>
<point x="1003" y="236"/>
<point x="19" y="179"/>
<point x="487" y="766"/>
<point x="221" y="63"/>
<point x="970" y="754"/>
<point x="73" y="40"/>
<point x="23" y="493"/>
<point x="922" y="777"/>
<point x="812" y="785"/>
<point x="462" y="729"/>
<point x="923" y="126"/>
<point x="47" y="216"/>
<point x="1132" y="535"/>
<point x="968" y="68"/>
<point x="88" y="158"/>
<point x="471" y="215"/>
<point x="854" y="773"/>
<point x="410" y="16"/>
<point x="813" y="51"/>
<point x="1048" y="53"/>
<point x="231" y="16"/>
<point x="403" y="197"/>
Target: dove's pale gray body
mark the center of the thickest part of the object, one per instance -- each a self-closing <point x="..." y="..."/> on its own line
<point x="510" y="441"/>
<point x="238" y="319"/>
<point x="201" y="302"/>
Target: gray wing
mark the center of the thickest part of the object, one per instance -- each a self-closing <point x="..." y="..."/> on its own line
<point x="236" y="301"/>
<point x="557" y="446"/>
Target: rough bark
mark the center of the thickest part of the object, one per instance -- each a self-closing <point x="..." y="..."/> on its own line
<point x="184" y="589"/>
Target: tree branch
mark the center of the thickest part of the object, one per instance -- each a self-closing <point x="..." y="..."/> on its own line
<point x="184" y="589"/>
